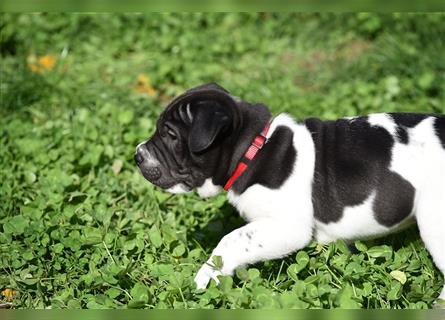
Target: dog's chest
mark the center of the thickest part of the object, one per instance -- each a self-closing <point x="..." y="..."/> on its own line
<point x="259" y="202"/>
<point x="291" y="200"/>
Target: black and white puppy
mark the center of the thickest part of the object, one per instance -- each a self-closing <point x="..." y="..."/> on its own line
<point x="353" y="178"/>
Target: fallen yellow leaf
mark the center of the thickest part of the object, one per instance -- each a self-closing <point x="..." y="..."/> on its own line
<point x="143" y="79"/>
<point x="47" y="61"/>
<point x="9" y="294"/>
<point x="144" y="85"/>
<point x="42" y="63"/>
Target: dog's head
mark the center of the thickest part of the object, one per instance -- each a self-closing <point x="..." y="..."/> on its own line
<point x="193" y="139"/>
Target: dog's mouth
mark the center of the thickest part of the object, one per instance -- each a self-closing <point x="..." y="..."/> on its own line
<point x="154" y="167"/>
<point x="179" y="188"/>
<point x="155" y="176"/>
<point x="174" y="187"/>
<point x="186" y="186"/>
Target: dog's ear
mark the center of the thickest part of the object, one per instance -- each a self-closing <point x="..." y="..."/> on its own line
<point x="210" y="86"/>
<point x="210" y="121"/>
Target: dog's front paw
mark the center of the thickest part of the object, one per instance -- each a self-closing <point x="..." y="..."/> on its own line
<point x="204" y="275"/>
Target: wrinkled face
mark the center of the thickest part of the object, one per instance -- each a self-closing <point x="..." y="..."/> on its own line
<point x="185" y="148"/>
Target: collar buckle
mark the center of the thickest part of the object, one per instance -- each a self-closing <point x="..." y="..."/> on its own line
<point x="259" y="141"/>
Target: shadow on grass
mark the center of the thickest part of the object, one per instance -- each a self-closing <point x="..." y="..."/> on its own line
<point x="220" y="225"/>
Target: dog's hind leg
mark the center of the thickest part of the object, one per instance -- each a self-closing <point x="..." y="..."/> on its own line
<point x="430" y="215"/>
<point x="260" y="240"/>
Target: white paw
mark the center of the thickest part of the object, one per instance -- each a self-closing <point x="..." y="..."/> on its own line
<point x="204" y="275"/>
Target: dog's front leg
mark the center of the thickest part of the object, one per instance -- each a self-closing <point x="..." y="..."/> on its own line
<point x="257" y="241"/>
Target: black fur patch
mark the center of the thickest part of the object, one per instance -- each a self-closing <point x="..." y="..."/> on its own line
<point x="409" y="120"/>
<point x="352" y="160"/>
<point x="272" y="165"/>
<point x="402" y="135"/>
<point x="404" y="121"/>
<point x="394" y="199"/>
<point x="439" y="127"/>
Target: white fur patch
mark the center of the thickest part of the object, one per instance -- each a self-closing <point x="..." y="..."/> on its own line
<point x="178" y="188"/>
<point x="208" y="189"/>
<point x="383" y="120"/>
<point x="357" y="222"/>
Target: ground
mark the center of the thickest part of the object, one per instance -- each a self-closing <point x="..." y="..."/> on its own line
<point x="80" y="227"/>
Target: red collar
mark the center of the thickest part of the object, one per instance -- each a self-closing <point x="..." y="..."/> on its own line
<point x="251" y="152"/>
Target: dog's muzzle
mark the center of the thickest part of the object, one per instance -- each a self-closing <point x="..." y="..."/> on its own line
<point x="150" y="169"/>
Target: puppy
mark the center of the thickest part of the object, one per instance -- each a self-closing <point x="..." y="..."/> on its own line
<point x="353" y="178"/>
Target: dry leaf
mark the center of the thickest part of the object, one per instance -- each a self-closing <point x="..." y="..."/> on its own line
<point x="9" y="294"/>
<point x="42" y="63"/>
<point x="144" y="85"/>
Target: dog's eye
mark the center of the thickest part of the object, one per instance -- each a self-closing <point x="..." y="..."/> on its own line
<point x="171" y="133"/>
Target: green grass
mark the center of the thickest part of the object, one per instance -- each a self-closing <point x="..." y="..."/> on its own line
<point x="79" y="226"/>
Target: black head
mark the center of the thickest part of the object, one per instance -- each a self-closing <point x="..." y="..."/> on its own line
<point x="192" y="135"/>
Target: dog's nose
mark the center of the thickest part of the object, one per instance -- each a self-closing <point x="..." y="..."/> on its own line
<point x="138" y="158"/>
